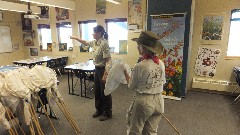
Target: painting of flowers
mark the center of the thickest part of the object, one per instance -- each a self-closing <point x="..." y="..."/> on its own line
<point x="100" y="7"/>
<point x="212" y="29"/>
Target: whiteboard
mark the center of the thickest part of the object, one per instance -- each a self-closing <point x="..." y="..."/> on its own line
<point x="5" y="39"/>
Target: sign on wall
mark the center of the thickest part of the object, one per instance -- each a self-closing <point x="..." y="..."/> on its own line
<point x="5" y="38"/>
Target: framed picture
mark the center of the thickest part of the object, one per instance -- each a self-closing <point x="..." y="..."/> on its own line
<point x="26" y="23"/>
<point x="28" y="39"/>
<point x="123" y="46"/>
<point x="135" y="16"/>
<point x="44" y="12"/>
<point x="61" y="14"/>
<point x="212" y="28"/>
<point x="101" y="7"/>
<point x="62" y="46"/>
<point x="49" y="47"/>
<point x="33" y="52"/>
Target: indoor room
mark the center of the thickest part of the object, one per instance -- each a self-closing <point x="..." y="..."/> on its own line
<point x="51" y="69"/>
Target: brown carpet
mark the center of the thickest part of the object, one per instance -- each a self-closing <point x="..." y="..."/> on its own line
<point x="199" y="113"/>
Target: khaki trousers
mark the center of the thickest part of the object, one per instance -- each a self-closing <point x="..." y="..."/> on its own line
<point x="144" y="114"/>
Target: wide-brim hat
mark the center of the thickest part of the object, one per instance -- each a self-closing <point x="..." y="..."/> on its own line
<point x="150" y="41"/>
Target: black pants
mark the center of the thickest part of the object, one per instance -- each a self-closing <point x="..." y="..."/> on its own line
<point x="103" y="103"/>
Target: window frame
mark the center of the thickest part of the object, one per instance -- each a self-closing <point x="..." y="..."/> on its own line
<point x="114" y="20"/>
<point x="232" y="20"/>
<point x="84" y="22"/>
<point x="63" y="25"/>
<point x="43" y="26"/>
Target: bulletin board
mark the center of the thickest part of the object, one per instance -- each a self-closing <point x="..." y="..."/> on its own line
<point x="5" y="39"/>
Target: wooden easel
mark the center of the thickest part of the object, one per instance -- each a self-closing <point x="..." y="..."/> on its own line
<point x="171" y="124"/>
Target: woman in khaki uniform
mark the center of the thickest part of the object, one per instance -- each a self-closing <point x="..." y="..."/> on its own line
<point x="102" y="59"/>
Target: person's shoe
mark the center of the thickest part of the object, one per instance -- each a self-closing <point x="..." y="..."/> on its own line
<point x="104" y="117"/>
<point x="97" y="114"/>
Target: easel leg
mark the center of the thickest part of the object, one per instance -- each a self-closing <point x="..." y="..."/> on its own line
<point x="171" y="124"/>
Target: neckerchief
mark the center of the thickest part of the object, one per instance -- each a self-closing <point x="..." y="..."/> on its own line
<point x="154" y="58"/>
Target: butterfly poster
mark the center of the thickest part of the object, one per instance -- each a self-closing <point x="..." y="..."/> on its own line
<point x="170" y="30"/>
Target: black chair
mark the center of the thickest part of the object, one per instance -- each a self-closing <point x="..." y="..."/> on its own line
<point x="63" y="63"/>
<point x="85" y="79"/>
<point x="236" y="71"/>
<point x="53" y="64"/>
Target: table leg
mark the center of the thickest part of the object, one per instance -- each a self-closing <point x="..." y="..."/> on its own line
<point x="85" y="89"/>
<point x="68" y="83"/>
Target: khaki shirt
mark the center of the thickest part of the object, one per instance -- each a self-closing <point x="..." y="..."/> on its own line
<point x="101" y="51"/>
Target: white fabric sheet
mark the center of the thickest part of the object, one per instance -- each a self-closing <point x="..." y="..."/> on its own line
<point x="116" y="76"/>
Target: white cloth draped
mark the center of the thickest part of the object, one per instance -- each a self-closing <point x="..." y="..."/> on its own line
<point x="116" y="76"/>
<point x="19" y="84"/>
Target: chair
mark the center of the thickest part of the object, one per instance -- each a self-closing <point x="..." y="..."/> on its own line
<point x="63" y="63"/>
<point x="53" y="64"/>
<point x="237" y="74"/>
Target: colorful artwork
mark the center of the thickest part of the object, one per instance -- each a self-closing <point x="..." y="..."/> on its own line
<point x="123" y="46"/>
<point x="28" y="39"/>
<point x="44" y="12"/>
<point x="61" y="13"/>
<point x="212" y="28"/>
<point x="135" y="14"/>
<point x="49" y="47"/>
<point x="33" y="52"/>
<point x="26" y="23"/>
<point x="206" y="61"/>
<point x="62" y="46"/>
<point x="170" y="30"/>
<point x="100" y="6"/>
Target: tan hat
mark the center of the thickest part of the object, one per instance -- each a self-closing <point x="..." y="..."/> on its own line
<point x="149" y="40"/>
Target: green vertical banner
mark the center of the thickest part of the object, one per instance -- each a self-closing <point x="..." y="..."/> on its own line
<point x="170" y="30"/>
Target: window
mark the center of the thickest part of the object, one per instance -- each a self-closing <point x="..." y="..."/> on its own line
<point x="64" y="31"/>
<point x="44" y="35"/>
<point x="234" y="40"/>
<point x="117" y="30"/>
<point x="86" y="29"/>
<point x="86" y="32"/>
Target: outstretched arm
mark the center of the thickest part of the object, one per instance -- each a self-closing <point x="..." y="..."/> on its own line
<point x="79" y="40"/>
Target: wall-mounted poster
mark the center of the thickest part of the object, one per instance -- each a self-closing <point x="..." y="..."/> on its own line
<point x="100" y="6"/>
<point x="61" y="13"/>
<point x="33" y="52"/>
<point x="49" y="47"/>
<point x="16" y="46"/>
<point x="44" y="12"/>
<point x="5" y="39"/>
<point x="135" y="18"/>
<point x="28" y="39"/>
<point x="26" y="23"/>
<point x="123" y="46"/>
<point x="62" y="46"/>
<point x="206" y="62"/>
<point x="212" y="28"/>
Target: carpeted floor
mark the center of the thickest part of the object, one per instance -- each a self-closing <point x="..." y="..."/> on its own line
<point x="199" y="113"/>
